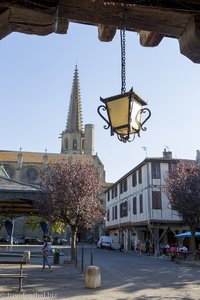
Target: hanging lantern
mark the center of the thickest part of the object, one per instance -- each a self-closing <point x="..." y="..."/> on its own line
<point x="124" y="110"/>
<point x="124" y="115"/>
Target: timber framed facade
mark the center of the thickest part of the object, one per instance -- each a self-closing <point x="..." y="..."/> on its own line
<point x="138" y="208"/>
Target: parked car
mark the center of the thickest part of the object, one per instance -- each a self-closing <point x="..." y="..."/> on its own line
<point x="115" y="246"/>
<point x="4" y="240"/>
<point x="32" y="241"/>
<point x="59" y="241"/>
<point x="19" y="240"/>
<point x="104" y="241"/>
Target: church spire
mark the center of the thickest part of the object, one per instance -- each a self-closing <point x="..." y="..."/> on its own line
<point x="74" y="120"/>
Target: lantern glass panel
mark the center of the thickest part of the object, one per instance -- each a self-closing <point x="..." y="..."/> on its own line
<point x="136" y="114"/>
<point x="118" y="112"/>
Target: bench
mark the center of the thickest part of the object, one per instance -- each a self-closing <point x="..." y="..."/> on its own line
<point x="19" y="275"/>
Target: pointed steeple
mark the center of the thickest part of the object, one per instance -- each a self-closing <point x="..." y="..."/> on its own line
<point x="74" y="120"/>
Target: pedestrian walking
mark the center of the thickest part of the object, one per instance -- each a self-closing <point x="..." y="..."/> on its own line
<point x="46" y="249"/>
<point x="139" y="247"/>
<point x="147" y="247"/>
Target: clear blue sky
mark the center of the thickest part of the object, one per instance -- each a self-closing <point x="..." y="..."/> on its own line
<point x="36" y="79"/>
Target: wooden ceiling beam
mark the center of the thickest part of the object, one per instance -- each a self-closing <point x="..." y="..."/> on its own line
<point x="106" y="33"/>
<point x="61" y="23"/>
<point x="5" y="27"/>
<point x="177" y="20"/>
<point x="150" y="39"/>
<point x="189" y="41"/>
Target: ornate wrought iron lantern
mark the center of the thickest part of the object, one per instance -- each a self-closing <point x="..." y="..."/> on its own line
<point x="124" y="115"/>
<point x="124" y="110"/>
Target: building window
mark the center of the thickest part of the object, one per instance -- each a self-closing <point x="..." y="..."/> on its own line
<point x="108" y="215"/>
<point x="108" y="196"/>
<point x="134" y="179"/>
<point x="74" y="144"/>
<point x="66" y="143"/>
<point x="141" y="203"/>
<point x="31" y="174"/>
<point x="116" y="191"/>
<point x="123" y="186"/>
<point x="115" y="212"/>
<point x="135" y="206"/>
<point x="155" y="170"/>
<point x="156" y="200"/>
<point x="10" y="170"/>
<point x="124" y="209"/>
<point x="140" y="175"/>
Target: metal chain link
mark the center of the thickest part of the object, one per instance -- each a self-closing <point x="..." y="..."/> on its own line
<point x="123" y="59"/>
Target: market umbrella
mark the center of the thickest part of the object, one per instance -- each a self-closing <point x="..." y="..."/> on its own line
<point x="186" y="234"/>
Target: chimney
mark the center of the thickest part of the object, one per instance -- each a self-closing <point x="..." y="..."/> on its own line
<point x="167" y="154"/>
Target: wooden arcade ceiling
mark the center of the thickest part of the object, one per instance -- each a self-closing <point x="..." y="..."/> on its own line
<point x="152" y="19"/>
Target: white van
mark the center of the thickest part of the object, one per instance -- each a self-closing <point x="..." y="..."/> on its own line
<point x="104" y="241"/>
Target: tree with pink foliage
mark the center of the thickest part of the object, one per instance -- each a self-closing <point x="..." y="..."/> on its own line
<point x="183" y="191"/>
<point x="71" y="196"/>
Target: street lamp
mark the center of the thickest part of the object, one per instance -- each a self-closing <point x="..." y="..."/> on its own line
<point x="124" y="115"/>
<point x="124" y="110"/>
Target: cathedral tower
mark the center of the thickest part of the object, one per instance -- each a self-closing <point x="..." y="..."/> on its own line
<point x="74" y="139"/>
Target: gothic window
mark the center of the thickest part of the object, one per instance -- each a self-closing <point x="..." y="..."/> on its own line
<point x="66" y="143"/>
<point x="155" y="170"/>
<point x="10" y="170"/>
<point x="74" y="144"/>
<point x="156" y="200"/>
<point x="31" y="174"/>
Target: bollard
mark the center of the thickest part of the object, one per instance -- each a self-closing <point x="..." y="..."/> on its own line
<point x="82" y="257"/>
<point x="26" y="256"/>
<point x="92" y="277"/>
<point x="56" y="257"/>
<point x="91" y="258"/>
<point x="76" y="263"/>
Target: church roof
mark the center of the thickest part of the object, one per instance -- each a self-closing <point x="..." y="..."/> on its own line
<point x="74" y="120"/>
<point x="37" y="157"/>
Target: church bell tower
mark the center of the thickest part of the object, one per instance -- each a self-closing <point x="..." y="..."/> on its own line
<point x="74" y="139"/>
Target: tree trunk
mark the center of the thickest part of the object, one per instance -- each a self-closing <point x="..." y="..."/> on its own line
<point x="73" y="242"/>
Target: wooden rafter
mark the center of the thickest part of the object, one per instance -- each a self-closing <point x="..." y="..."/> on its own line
<point x="152" y="19"/>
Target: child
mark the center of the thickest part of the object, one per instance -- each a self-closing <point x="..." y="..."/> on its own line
<point x="46" y="249"/>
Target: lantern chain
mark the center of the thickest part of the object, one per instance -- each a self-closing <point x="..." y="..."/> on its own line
<point x="123" y="59"/>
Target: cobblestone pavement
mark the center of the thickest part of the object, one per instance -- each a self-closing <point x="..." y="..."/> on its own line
<point x="124" y="277"/>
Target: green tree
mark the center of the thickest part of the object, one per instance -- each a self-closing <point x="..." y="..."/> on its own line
<point x="183" y="191"/>
<point x="70" y="196"/>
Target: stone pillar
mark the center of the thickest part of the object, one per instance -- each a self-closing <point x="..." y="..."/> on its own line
<point x="92" y="277"/>
<point x="27" y="256"/>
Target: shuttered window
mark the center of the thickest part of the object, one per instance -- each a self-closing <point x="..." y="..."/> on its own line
<point x="141" y="203"/>
<point x="155" y="170"/>
<point x="135" y="206"/>
<point x="156" y="200"/>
